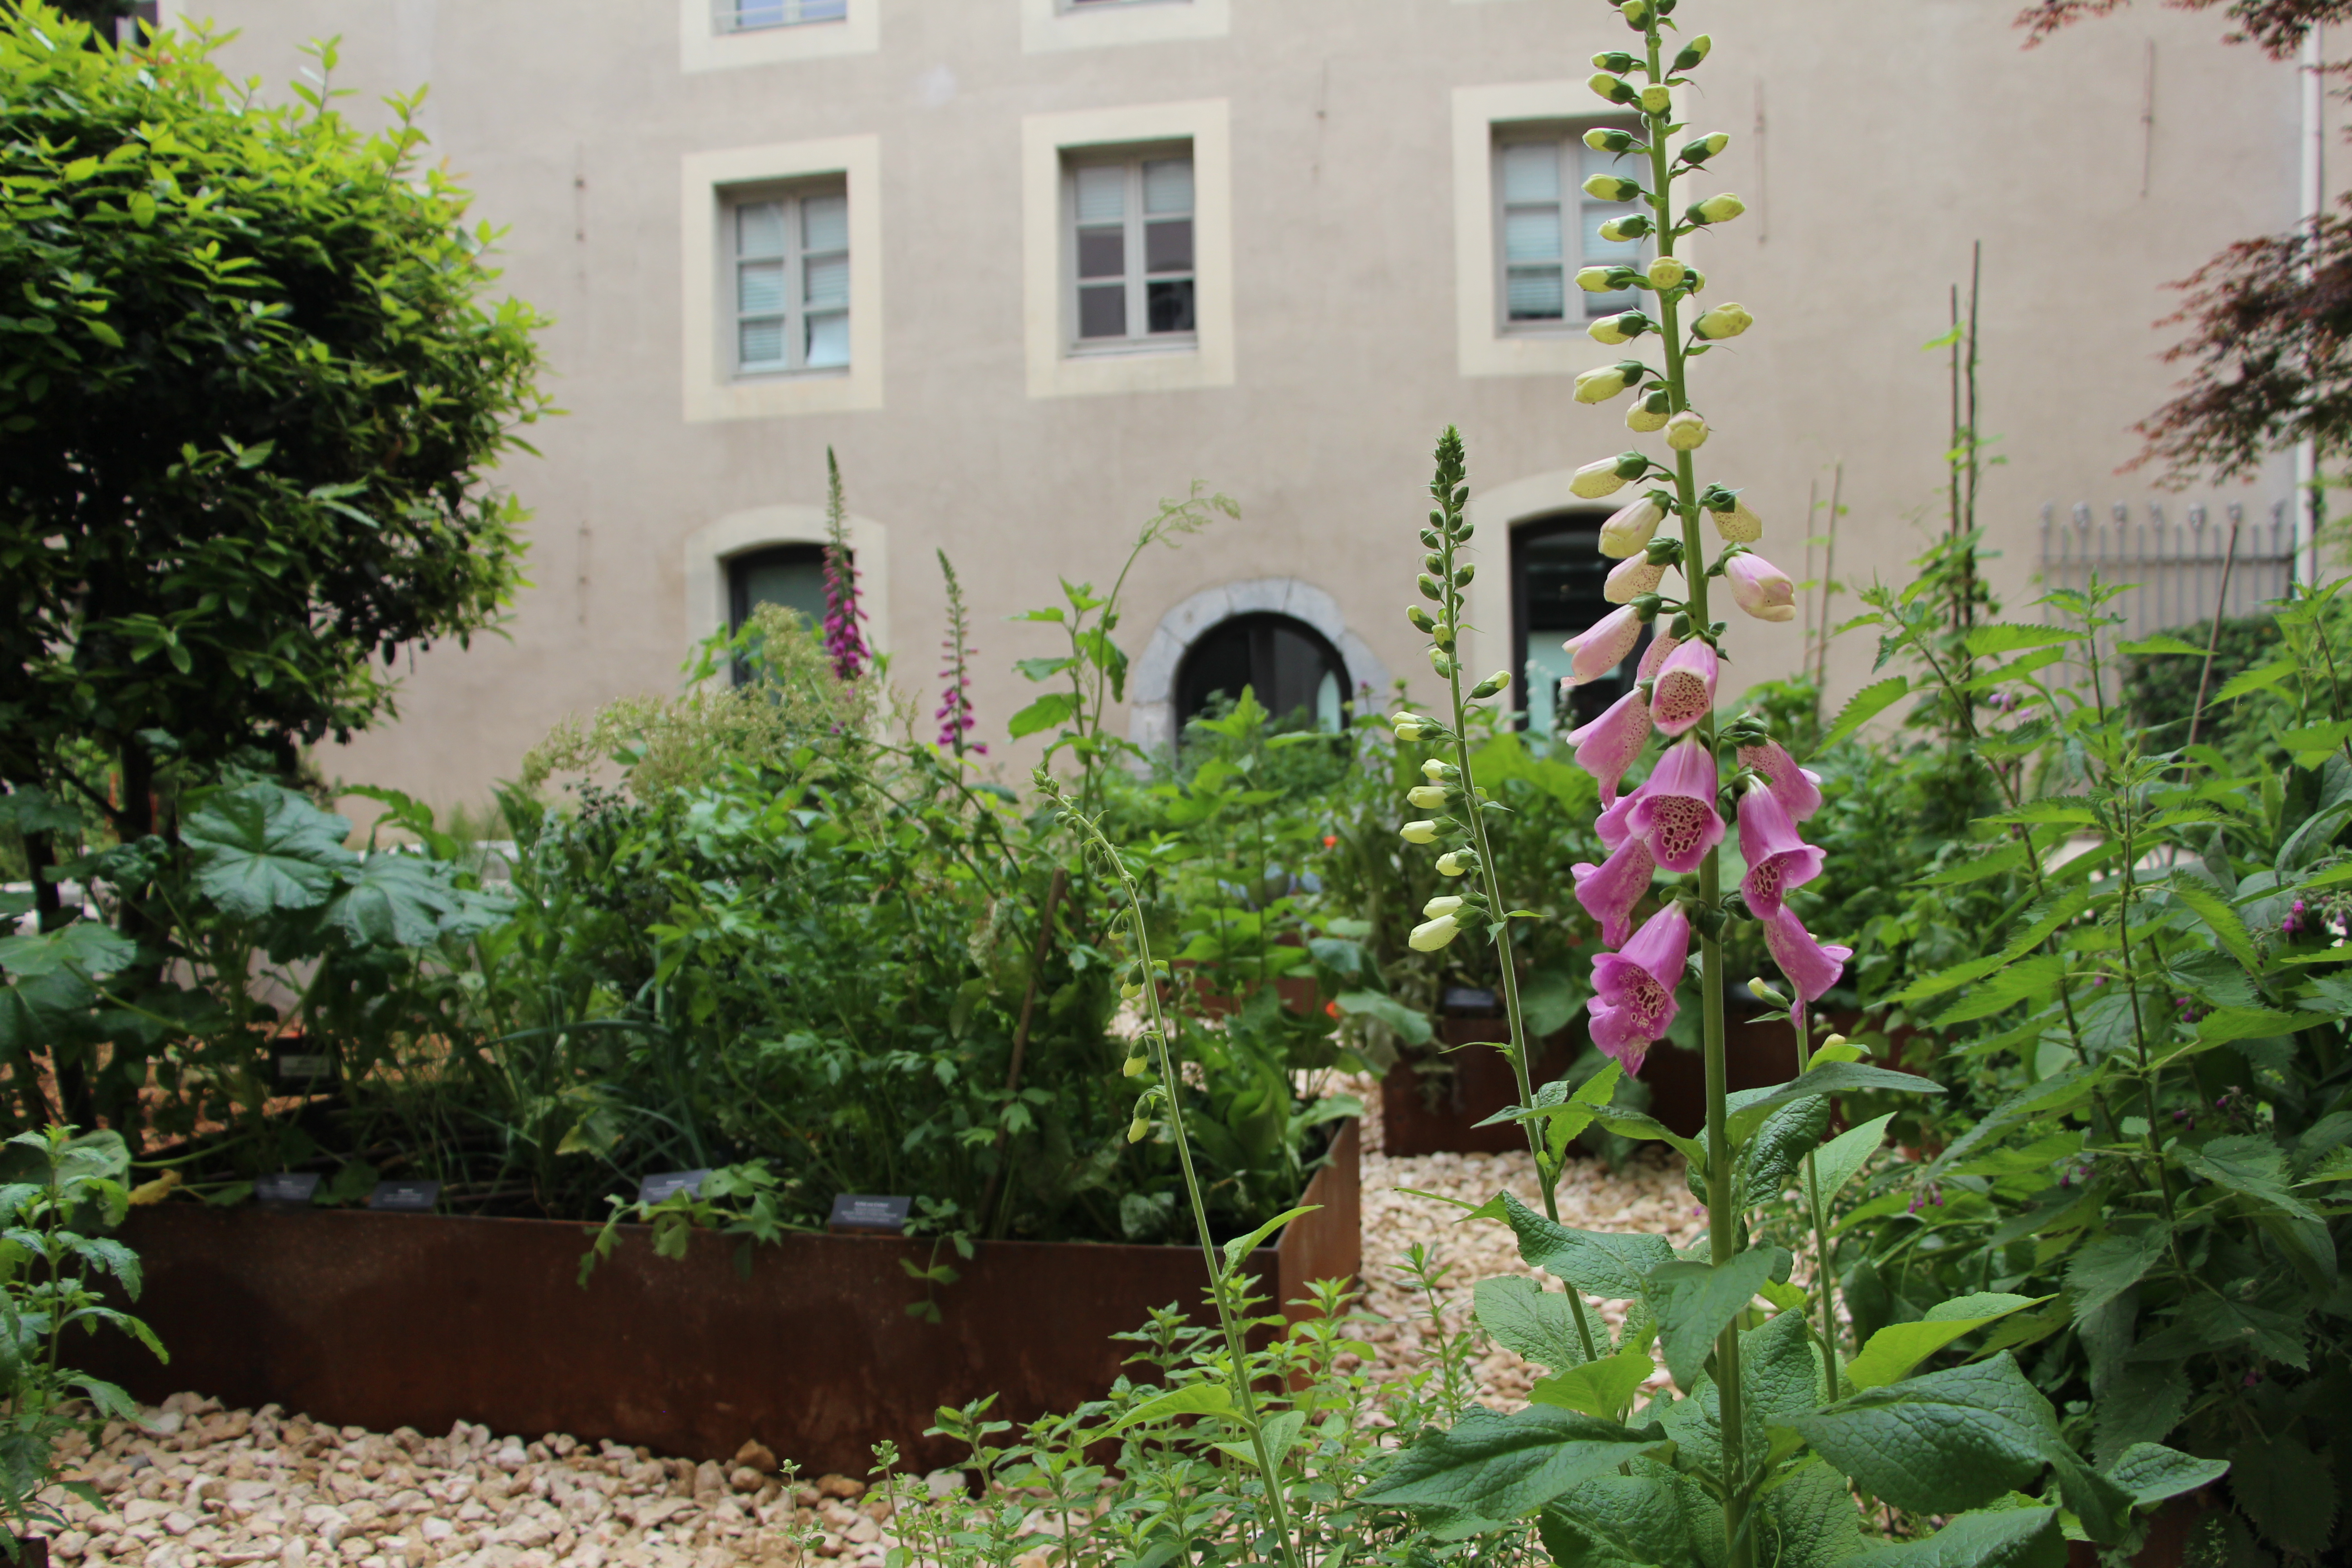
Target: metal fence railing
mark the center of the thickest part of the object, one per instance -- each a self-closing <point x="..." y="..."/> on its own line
<point x="2175" y="556"/>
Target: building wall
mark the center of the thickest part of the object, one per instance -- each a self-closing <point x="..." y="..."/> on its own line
<point x="1873" y="142"/>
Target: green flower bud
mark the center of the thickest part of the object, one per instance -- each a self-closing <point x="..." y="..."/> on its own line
<point x="1463" y="573"/>
<point x="1602" y="139"/>
<point x="1421" y="618"/>
<point x="1728" y="319"/>
<point x="1616" y="90"/>
<point x="1409" y="726"/>
<point x="1492" y="684"/>
<point x="1457" y="862"/>
<point x="1418" y="833"/>
<point x="1637" y="13"/>
<point x="1666" y="271"/>
<point x="1437" y="769"/>
<point x="1693" y="52"/>
<point x="1706" y="147"/>
<point x="1716" y="209"/>
<point x="1623" y="327"/>
<point x="1663" y="550"/>
<point x="1632" y="225"/>
<point x="1612" y="188"/>
<point x="1139" y="1130"/>
<point x="1657" y="97"/>
<point x="1444" y="904"/>
<point x="1616" y="60"/>
<point x="1429" y="797"/>
<point x="1686" y="432"/>
<point x="1595" y="279"/>
<point x="1136" y="1061"/>
<point x="1601" y="383"/>
<point x="1432" y="562"/>
<point x="1439" y="662"/>
<point x="1431" y="935"/>
<point x="1429" y="588"/>
<point x="1645" y="420"/>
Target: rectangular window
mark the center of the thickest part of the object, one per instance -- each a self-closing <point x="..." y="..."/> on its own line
<point x="1547" y="226"/>
<point x="752" y="16"/>
<point x="1131" y="249"/>
<point x="791" y="282"/>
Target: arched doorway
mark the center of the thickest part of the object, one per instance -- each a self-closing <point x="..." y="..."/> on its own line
<point x="1557" y="575"/>
<point x="1292" y="669"/>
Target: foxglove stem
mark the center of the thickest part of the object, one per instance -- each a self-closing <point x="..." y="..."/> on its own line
<point x="1723" y="1221"/>
<point x="1236" y="1348"/>
<point x="1824" y="1274"/>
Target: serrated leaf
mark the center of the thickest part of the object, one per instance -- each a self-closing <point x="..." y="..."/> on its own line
<point x="2251" y="680"/>
<point x="1837" y="1162"/>
<point x="1831" y="1078"/>
<point x="391" y="900"/>
<point x="1695" y="1301"/>
<point x="1054" y="708"/>
<point x="2252" y="1164"/>
<point x="1518" y="1312"/>
<point x="1863" y="706"/>
<point x="1603" y="1388"/>
<point x="1490" y="1467"/>
<point x="2287" y="1491"/>
<point x="1608" y="1264"/>
<point x="2006" y="1538"/>
<point x="2104" y="1269"/>
<point x="1192" y="1399"/>
<point x="260" y="848"/>
<point x="2160" y="644"/>
<point x="86" y="948"/>
<point x="2152" y="1472"/>
<point x="2007" y="638"/>
<point x="2217" y="915"/>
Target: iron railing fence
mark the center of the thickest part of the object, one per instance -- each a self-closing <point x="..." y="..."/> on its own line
<point x="2177" y="556"/>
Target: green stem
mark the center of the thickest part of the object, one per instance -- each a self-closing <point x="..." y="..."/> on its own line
<point x="1220" y="1287"/>
<point x="1723" y="1221"/>
<point x="1827" y="1277"/>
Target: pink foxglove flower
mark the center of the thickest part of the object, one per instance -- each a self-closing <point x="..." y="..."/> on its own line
<point x="1684" y="692"/>
<point x="1812" y="967"/>
<point x="1798" y="790"/>
<point x="1760" y="589"/>
<point x="1610" y="744"/>
<point x="1631" y="578"/>
<point x="1675" y="809"/>
<point x="1610" y="891"/>
<point x="1655" y="656"/>
<point x="1602" y="647"/>
<point x="1635" y="1001"/>
<point x="1778" y="859"/>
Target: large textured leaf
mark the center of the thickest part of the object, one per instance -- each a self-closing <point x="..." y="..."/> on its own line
<point x="2216" y="912"/>
<point x="1838" y="1161"/>
<point x="391" y="900"/>
<point x="2106" y="1267"/>
<point x="2152" y="1472"/>
<point x="1652" y="1516"/>
<point x="1894" y="1350"/>
<point x="1603" y="1388"/>
<point x="260" y="848"/>
<point x="2287" y="1491"/>
<point x="2252" y="1164"/>
<point x="1780" y="1145"/>
<point x="1517" y="1311"/>
<point x="1695" y="1301"/>
<point x="1491" y="1466"/>
<point x="85" y="947"/>
<point x="1950" y="1440"/>
<point x="1833" y="1077"/>
<point x="1608" y="1264"/>
<point x="1809" y="1520"/>
<point x="2012" y="1538"/>
<point x="1054" y="708"/>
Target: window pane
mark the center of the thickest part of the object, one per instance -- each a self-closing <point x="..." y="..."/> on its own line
<point x="1167" y="186"/>
<point x="1530" y="171"/>
<point x="1169" y="305"/>
<point x="1599" y="252"/>
<point x="1599" y="305"/>
<point x="1102" y="312"/>
<point x="828" y="341"/>
<point x="1102" y="253"/>
<point x="759" y="229"/>
<point x="1531" y="234"/>
<point x="1624" y="165"/>
<point x="760" y="287"/>
<point x="1534" y="293"/>
<point x="822" y="10"/>
<point x="1167" y="245"/>
<point x="746" y="14"/>
<point x="762" y="343"/>
<point x="827" y="282"/>
<point x="1102" y="193"/>
<point x="824" y="223"/>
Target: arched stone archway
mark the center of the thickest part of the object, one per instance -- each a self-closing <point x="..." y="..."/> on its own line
<point x="1152" y="689"/>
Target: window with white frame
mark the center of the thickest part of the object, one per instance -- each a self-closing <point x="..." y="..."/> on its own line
<point x="790" y="279"/>
<point x="1112" y="4"/>
<point x="1130" y="255"/>
<point x="1547" y="227"/>
<point x="753" y="15"/>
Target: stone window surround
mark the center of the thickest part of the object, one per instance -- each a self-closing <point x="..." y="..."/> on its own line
<point x="710" y="548"/>
<point x="1151" y="692"/>
<point x="1047" y="25"/>
<point x="702" y="46"/>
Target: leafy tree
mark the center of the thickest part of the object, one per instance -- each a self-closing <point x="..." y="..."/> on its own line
<point x="249" y="394"/>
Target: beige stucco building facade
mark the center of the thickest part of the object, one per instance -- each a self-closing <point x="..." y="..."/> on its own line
<point x="1347" y="292"/>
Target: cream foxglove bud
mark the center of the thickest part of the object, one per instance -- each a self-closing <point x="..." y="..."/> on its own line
<point x="1601" y="383"/>
<point x="1637" y="13"/>
<point x="1686" y="432"/>
<point x="1431" y="935"/>
<point x="1593" y="279"/>
<point x="1444" y="904"/>
<point x="1139" y="1130"/>
<point x="1706" y="147"/>
<point x="1739" y="525"/>
<point x="1716" y="209"/>
<point x="1409" y="726"/>
<point x="1429" y="797"/>
<point x="1617" y="60"/>
<point x="1666" y="271"/>
<point x="1135" y="1064"/>
<point x="1618" y="230"/>
<point x="1631" y="578"/>
<point x="1418" y="833"/>
<point x="1657" y="97"/>
<point x="1613" y="187"/>
<point x="1760" y="589"/>
<point x="1129" y="991"/>
<point x="1602" y="139"/>
<point x="1595" y="481"/>
<point x="1491" y="685"/>
<point x="1623" y="327"/>
<point x="1616" y="90"/>
<point x="1456" y="863"/>
<point x="1728" y="319"/>
<point x="1649" y="416"/>
<point x="1629" y="528"/>
<point x="1692" y="53"/>
<point x="1437" y="769"/>
<point x="1440" y="661"/>
<point x="1422" y="620"/>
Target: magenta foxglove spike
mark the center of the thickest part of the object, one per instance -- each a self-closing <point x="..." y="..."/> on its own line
<point x="1612" y="742"/>
<point x="1798" y="790"/>
<point x="1610" y="891"/>
<point x="1778" y="859"/>
<point x="1675" y="811"/>
<point x="1602" y="647"/>
<point x="1811" y="966"/>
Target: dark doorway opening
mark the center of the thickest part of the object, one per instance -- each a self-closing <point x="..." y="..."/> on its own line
<point x="1292" y="668"/>
<point x="1557" y="574"/>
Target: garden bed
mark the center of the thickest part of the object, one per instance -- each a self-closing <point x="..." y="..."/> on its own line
<point x="389" y="1320"/>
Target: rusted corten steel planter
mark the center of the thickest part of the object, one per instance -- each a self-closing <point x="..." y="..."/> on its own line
<point x="386" y="1319"/>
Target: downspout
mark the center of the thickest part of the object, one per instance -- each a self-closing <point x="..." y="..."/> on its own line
<point x="2313" y="509"/>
